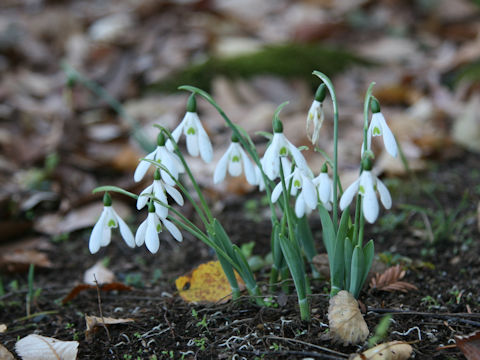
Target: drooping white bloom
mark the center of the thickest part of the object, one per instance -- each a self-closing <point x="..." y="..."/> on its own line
<point x="378" y="126"/>
<point x="315" y="116"/>
<point x="286" y="167"/>
<point x="102" y="231"/>
<point x="158" y="189"/>
<point x="233" y="160"/>
<point x="324" y="186"/>
<point x="196" y="137"/>
<point x="366" y="185"/>
<point x="167" y="158"/>
<point x="280" y="147"/>
<point x="306" y="198"/>
<point x="148" y="231"/>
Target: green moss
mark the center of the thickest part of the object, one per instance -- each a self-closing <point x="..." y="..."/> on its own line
<point x="289" y="61"/>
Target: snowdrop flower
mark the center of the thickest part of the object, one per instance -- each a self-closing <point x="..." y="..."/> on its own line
<point x="278" y="148"/>
<point x="166" y="157"/>
<point x="158" y="189"/>
<point x="324" y="186"/>
<point x="378" y="126"/>
<point x="233" y="160"/>
<point x="148" y="230"/>
<point x="316" y="114"/>
<point x="307" y="197"/>
<point x="366" y="185"/>
<point x="196" y="136"/>
<point x="286" y="167"/>
<point x="102" y="231"/>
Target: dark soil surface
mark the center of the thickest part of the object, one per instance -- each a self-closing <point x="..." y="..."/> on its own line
<point x="432" y="231"/>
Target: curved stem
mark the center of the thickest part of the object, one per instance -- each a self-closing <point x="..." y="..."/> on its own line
<point x="331" y="90"/>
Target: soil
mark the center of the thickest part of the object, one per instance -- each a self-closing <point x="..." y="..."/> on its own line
<point x="446" y="272"/>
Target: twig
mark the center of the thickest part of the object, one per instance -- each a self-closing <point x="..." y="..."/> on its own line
<point x="342" y="355"/>
<point x="169" y="325"/>
<point x="291" y="353"/>
<point x="100" y="308"/>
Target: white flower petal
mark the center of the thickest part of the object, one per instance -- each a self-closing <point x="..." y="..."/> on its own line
<point x="159" y="192"/>
<point x="175" y="194"/>
<point x="205" y="146"/>
<point x="106" y="236"/>
<point x="172" y="229"/>
<point x="143" y="166"/>
<point x="192" y="144"/>
<point x="299" y="159"/>
<point x="369" y="201"/>
<point x="388" y="138"/>
<point x="97" y="233"/>
<point x="142" y="199"/>
<point x="385" y="197"/>
<point x="140" y="234"/>
<point x="235" y="167"/>
<point x="348" y="194"/>
<point x="125" y="230"/>
<point x="151" y="235"/>
<point x="271" y="158"/>
<point x="221" y="169"/>
<point x="324" y="188"/>
<point x="309" y="193"/>
<point x="248" y="168"/>
<point x="276" y="192"/>
<point x="300" y="206"/>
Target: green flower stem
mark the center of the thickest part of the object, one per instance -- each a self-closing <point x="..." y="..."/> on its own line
<point x="304" y="309"/>
<point x="114" y="189"/>
<point x="331" y="90"/>
<point x="99" y="91"/>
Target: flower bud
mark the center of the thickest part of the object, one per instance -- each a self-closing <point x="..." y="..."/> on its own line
<point x="234" y="138"/>
<point x="277" y="125"/>
<point x="192" y="104"/>
<point x="367" y="164"/>
<point x="321" y="93"/>
<point x="107" y="200"/>
<point x="375" y="105"/>
<point x="161" y="139"/>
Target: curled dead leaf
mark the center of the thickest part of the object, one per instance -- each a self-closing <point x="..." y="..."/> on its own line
<point x="347" y="325"/>
<point x="93" y="322"/>
<point x="469" y="345"/>
<point x="5" y="354"/>
<point x="105" y="287"/>
<point x="389" y="280"/>
<point x="393" y="350"/>
<point x="37" y="347"/>
<point x="206" y="283"/>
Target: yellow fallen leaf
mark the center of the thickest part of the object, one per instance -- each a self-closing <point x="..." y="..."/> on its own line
<point x="206" y="283"/>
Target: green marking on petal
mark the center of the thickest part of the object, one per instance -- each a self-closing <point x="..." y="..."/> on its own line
<point x="235" y="158"/>
<point x="111" y="223"/>
<point x="310" y="116"/>
<point x="283" y="151"/>
<point x="159" y="228"/>
<point x="297" y="184"/>
<point x="191" y="131"/>
<point x="361" y="189"/>
<point x="376" y="131"/>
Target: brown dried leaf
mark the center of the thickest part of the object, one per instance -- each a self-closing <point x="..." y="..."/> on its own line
<point x="20" y="259"/>
<point x="5" y="354"/>
<point x="82" y="287"/>
<point x="469" y="345"/>
<point x="93" y="322"/>
<point x="389" y="280"/>
<point x="393" y="350"/>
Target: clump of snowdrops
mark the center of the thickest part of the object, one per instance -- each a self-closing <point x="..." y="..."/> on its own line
<point x="290" y="185"/>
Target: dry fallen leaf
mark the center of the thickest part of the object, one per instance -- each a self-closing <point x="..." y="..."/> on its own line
<point x="207" y="283"/>
<point x="37" y="347"/>
<point x="5" y="354"/>
<point x="347" y="325"/>
<point x="99" y="273"/>
<point x="105" y="287"/>
<point x="20" y="259"/>
<point x="393" y="350"/>
<point x="93" y="322"/>
<point x="3" y="328"/>
<point x="389" y="280"/>
<point x="469" y="345"/>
